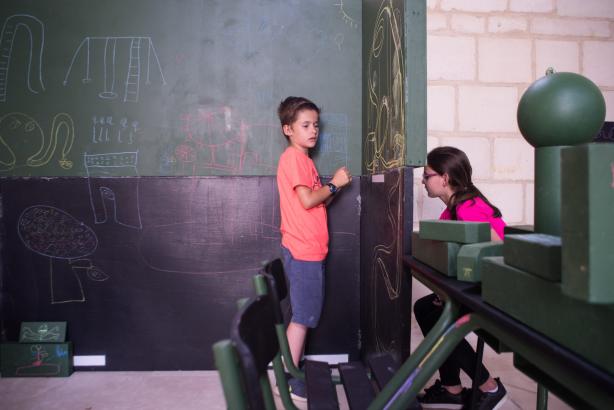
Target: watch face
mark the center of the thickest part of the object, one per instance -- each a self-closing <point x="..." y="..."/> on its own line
<point x="332" y="187"/>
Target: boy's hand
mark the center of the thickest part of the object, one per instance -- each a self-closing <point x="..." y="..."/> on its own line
<point x="341" y="178"/>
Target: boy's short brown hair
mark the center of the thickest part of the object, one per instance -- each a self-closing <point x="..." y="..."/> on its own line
<point x="290" y="107"/>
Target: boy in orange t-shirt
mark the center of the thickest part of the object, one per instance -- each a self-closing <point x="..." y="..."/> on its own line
<point x="304" y="231"/>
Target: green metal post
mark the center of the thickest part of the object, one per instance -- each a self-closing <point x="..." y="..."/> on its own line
<point x="449" y="314"/>
<point x="227" y="364"/>
<point x="542" y="397"/>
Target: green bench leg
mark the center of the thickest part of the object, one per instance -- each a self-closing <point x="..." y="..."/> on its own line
<point x="449" y="314"/>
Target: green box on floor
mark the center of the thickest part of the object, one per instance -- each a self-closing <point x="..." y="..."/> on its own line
<point x="536" y="253"/>
<point x="468" y="261"/>
<point x="587" y="222"/>
<point x="584" y="328"/>
<point x="439" y="255"/>
<point x="455" y="231"/>
<point x="36" y="359"/>
<point x="42" y="332"/>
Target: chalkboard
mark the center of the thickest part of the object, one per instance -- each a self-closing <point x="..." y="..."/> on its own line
<point x="385" y="237"/>
<point x="394" y="67"/>
<point x="147" y="270"/>
<point x="165" y="88"/>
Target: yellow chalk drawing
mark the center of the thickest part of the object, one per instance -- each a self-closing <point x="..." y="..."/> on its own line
<point x="384" y="145"/>
<point x="20" y="130"/>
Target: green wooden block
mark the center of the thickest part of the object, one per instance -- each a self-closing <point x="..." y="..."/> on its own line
<point x="36" y="359"/>
<point x="437" y="254"/>
<point x="42" y="332"/>
<point x="455" y="231"/>
<point x="587" y="222"/>
<point x="582" y="327"/>
<point x="536" y="253"/>
<point x="468" y="267"/>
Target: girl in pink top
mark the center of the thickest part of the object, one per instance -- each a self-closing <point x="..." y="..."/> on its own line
<point x="447" y="176"/>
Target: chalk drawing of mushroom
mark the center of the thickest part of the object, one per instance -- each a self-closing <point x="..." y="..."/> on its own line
<point x="51" y="232"/>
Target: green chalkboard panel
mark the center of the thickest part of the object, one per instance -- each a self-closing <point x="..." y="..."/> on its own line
<point x="42" y="332"/>
<point x="394" y="82"/>
<point x="163" y="88"/>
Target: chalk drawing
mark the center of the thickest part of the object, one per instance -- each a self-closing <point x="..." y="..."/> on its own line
<point x="18" y="130"/>
<point x="38" y="366"/>
<point x="345" y="16"/>
<point x="142" y="56"/>
<point x="113" y="199"/>
<point x="104" y="130"/>
<point x="53" y="233"/>
<point x="36" y="33"/>
<point x="384" y="145"/>
<point x="42" y="334"/>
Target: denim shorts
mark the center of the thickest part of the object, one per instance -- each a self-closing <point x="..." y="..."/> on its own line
<point x="306" y="280"/>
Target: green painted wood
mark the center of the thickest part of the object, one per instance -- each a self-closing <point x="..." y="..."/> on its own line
<point x="588" y="222"/>
<point x="548" y="190"/>
<point x="455" y="231"/>
<point x="415" y="97"/>
<point x="468" y="267"/>
<point x="539" y="254"/>
<point x="581" y="327"/>
<point x="437" y="254"/>
<point x="36" y="359"/>
<point x="228" y="367"/>
<point x="512" y="229"/>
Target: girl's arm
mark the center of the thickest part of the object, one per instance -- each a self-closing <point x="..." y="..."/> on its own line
<point x="310" y="198"/>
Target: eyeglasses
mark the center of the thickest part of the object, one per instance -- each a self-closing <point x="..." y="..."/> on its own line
<point x="425" y="177"/>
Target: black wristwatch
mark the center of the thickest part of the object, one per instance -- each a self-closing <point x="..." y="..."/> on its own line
<point x="332" y="187"/>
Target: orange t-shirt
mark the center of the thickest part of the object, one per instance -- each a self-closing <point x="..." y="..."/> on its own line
<point x="303" y="231"/>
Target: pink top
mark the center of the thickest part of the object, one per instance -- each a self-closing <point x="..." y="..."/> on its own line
<point x="304" y="232"/>
<point x="476" y="210"/>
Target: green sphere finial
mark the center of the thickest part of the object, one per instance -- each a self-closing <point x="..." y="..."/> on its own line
<point x="561" y="109"/>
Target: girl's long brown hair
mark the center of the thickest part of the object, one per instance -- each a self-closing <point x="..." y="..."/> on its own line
<point x="454" y="162"/>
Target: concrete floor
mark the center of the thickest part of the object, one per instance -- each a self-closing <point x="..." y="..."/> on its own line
<point x="202" y="389"/>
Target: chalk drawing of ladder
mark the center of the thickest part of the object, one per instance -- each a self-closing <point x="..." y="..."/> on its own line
<point x="36" y="32"/>
<point x="133" y="76"/>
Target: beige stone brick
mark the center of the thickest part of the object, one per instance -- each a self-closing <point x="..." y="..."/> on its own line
<point x="436" y="21"/>
<point x="586" y="8"/>
<point x="561" y="55"/>
<point x="466" y="23"/>
<point x="432" y="4"/>
<point x="513" y="159"/>
<point x="501" y="24"/>
<point x="598" y="62"/>
<point x="529" y="204"/>
<point x="441" y="107"/>
<point x="478" y="152"/>
<point x="472" y="5"/>
<point x="487" y="109"/>
<point x="609" y="105"/>
<point x="504" y="60"/>
<point x="570" y="27"/>
<point x="532" y="6"/>
<point x="450" y="58"/>
<point x="508" y="197"/>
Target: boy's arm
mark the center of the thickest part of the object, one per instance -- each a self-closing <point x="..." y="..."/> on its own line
<point x="310" y="198"/>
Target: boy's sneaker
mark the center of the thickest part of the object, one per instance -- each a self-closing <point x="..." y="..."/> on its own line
<point x="437" y="397"/>
<point x="298" y="391"/>
<point x="492" y="401"/>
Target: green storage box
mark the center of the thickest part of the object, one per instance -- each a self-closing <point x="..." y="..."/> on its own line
<point x="468" y="261"/>
<point x="587" y="222"/>
<point x="36" y="359"/>
<point x="536" y="253"/>
<point x="439" y="255"/>
<point x="581" y="327"/>
<point x="455" y="231"/>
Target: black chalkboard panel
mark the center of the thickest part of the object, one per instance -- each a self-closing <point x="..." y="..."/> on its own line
<point x="385" y="287"/>
<point x="168" y="88"/>
<point x="147" y="270"/>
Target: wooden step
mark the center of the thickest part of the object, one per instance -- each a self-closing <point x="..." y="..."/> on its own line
<point x="358" y="388"/>
<point x="321" y="392"/>
<point x="383" y="366"/>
